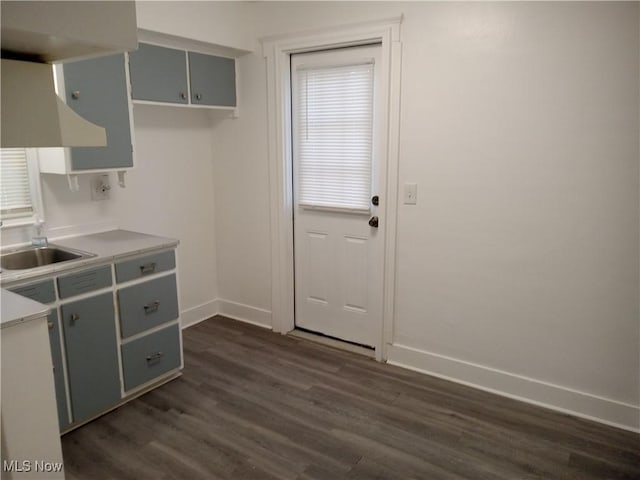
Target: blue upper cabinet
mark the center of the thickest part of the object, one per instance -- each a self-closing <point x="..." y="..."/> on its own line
<point x="97" y="90"/>
<point x="158" y="74"/>
<point x="166" y="75"/>
<point x="213" y="80"/>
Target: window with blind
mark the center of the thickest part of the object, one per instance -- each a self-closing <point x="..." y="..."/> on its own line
<point x="16" y="186"/>
<point x="333" y="135"/>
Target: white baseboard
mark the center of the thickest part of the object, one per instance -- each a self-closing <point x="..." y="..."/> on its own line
<point x="197" y="314"/>
<point x="555" y="397"/>
<point x="245" y="313"/>
<point x="237" y="311"/>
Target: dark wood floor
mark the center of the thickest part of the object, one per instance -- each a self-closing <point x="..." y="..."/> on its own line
<point x="257" y="405"/>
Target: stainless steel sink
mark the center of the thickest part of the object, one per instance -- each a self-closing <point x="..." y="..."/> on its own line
<point x="33" y="257"/>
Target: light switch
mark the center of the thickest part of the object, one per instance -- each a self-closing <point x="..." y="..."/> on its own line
<point x="410" y="193"/>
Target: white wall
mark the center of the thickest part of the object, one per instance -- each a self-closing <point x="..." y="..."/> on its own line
<point x="518" y="269"/>
<point x="242" y="198"/>
<point x="220" y="23"/>
<point x="170" y="193"/>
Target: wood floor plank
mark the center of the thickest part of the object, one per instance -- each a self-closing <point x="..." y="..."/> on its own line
<point x="256" y="405"/>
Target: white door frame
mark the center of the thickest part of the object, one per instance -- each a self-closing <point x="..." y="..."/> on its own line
<point x="277" y="50"/>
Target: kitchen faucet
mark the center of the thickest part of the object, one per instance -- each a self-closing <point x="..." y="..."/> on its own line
<point x="39" y="240"/>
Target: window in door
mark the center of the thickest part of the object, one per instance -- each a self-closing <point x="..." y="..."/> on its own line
<point x="333" y="135"/>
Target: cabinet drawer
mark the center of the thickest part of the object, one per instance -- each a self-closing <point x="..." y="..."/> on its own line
<point x="147" y="265"/>
<point x="43" y="292"/>
<point x="147" y="305"/>
<point x="83" y="282"/>
<point x="151" y="356"/>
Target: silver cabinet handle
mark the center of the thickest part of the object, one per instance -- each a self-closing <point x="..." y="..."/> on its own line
<point x="148" y="267"/>
<point x="155" y="356"/>
<point x="50" y="325"/>
<point x="198" y="96"/>
<point x="151" y="307"/>
<point x="75" y="94"/>
<point x="183" y="95"/>
<point x="75" y="316"/>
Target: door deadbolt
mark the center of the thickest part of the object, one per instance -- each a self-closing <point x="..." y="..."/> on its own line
<point x="373" y="222"/>
<point x="375" y="200"/>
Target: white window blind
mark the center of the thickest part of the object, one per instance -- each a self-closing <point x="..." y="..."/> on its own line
<point x="15" y="192"/>
<point x="333" y="111"/>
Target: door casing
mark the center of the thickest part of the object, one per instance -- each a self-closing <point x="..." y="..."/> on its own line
<point x="277" y="51"/>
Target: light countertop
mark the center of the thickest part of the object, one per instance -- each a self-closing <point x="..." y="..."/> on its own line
<point x="17" y="309"/>
<point x="106" y="247"/>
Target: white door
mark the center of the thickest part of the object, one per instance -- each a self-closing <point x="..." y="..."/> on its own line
<point x="337" y="170"/>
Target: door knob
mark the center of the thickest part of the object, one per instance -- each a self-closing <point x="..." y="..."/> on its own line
<point x="373" y="222"/>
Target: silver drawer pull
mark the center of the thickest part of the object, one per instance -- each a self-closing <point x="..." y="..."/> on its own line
<point x="50" y="325"/>
<point x="155" y="356"/>
<point x="75" y="317"/>
<point x="151" y="307"/>
<point x="148" y="267"/>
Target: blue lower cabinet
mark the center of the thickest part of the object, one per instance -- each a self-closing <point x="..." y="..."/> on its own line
<point x="92" y="356"/>
<point x="58" y="369"/>
<point x="151" y="356"/>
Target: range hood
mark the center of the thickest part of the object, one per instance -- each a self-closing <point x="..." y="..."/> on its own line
<point x="38" y="33"/>
<point x="34" y="116"/>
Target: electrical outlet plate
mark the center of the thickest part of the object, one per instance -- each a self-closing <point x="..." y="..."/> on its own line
<point x="100" y="187"/>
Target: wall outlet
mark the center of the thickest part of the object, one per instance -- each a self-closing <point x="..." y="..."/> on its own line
<point x="100" y="187"/>
<point x="410" y="193"/>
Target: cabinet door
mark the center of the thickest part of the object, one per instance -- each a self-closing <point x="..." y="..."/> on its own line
<point x="58" y="372"/>
<point x="213" y="80"/>
<point x="97" y="90"/>
<point x="92" y="356"/>
<point x="158" y="74"/>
